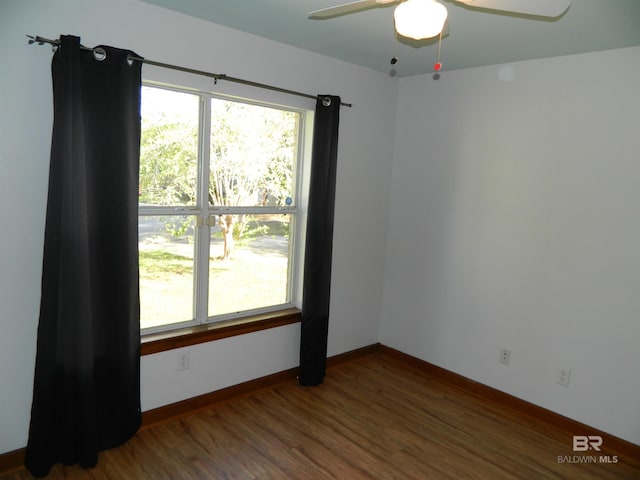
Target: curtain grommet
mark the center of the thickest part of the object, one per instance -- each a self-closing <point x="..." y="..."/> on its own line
<point x="99" y="54"/>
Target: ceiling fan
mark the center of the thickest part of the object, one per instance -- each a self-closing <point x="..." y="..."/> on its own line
<point x="420" y="19"/>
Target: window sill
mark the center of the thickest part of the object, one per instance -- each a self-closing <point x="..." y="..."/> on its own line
<point x="160" y="342"/>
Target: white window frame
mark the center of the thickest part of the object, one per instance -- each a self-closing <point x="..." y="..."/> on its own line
<point x="205" y="215"/>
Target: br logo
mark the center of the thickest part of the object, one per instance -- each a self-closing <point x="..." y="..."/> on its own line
<point x="583" y="443"/>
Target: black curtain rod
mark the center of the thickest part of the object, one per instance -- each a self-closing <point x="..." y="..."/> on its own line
<point x="216" y="76"/>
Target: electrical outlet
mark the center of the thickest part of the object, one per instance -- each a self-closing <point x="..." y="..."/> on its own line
<point x="183" y="361"/>
<point x="505" y="356"/>
<point x="562" y="376"/>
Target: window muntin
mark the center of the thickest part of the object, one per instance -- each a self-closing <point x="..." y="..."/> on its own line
<point x="208" y="164"/>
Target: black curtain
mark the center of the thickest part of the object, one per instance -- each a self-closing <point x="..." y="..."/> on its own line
<point x="86" y="393"/>
<point x="319" y="242"/>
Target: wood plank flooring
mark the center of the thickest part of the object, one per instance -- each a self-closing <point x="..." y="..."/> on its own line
<point x="373" y="418"/>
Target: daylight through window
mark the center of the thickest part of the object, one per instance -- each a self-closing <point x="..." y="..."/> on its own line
<point x="219" y="196"/>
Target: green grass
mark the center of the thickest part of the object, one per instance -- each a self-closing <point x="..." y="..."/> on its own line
<point x="250" y="279"/>
<point x="159" y="263"/>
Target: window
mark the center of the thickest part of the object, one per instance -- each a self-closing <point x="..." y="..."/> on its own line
<point x="219" y="208"/>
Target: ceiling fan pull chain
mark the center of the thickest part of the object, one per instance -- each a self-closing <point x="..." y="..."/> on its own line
<point x="438" y="65"/>
<point x="394" y="59"/>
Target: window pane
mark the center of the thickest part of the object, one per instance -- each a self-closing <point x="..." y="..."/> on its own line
<point x="253" y="270"/>
<point x="168" y="147"/>
<point x="253" y="151"/>
<point x="166" y="247"/>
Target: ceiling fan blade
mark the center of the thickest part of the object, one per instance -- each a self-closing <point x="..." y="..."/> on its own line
<point x="346" y="8"/>
<point x="540" y="8"/>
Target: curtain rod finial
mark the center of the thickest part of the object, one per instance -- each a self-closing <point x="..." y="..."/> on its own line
<point x="40" y="40"/>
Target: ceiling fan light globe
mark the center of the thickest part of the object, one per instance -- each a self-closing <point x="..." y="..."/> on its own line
<point x="420" y="19"/>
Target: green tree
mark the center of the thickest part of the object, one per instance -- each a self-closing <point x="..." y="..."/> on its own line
<point x="252" y="153"/>
<point x="251" y="162"/>
<point x="168" y="166"/>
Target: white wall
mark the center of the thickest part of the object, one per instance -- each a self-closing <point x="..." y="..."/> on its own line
<point x="365" y="152"/>
<point x="514" y="222"/>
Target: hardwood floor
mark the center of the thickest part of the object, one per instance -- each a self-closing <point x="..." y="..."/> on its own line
<point x="373" y="418"/>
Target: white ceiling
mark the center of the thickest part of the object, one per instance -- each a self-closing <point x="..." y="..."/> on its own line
<point x="475" y="37"/>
